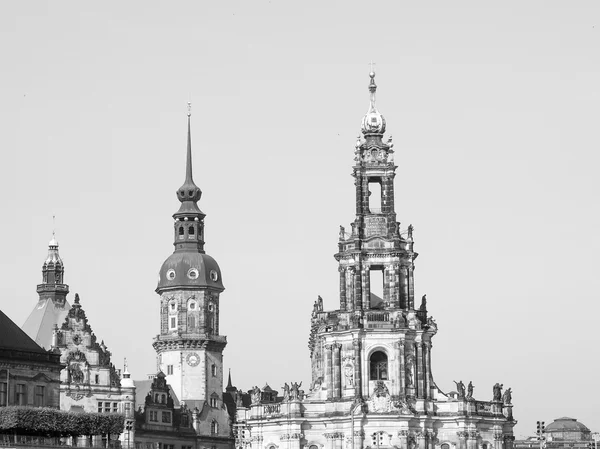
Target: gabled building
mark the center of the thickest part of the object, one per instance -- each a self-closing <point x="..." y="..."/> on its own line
<point x="372" y="378"/>
<point x="29" y="374"/>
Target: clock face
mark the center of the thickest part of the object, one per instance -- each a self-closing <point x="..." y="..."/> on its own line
<point x="193" y="359"/>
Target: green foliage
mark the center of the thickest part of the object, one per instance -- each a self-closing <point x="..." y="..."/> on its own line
<point x="56" y="423"/>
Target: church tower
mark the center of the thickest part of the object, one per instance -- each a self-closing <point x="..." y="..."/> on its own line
<point x="52" y="306"/>
<point x="372" y="384"/>
<point x="189" y="348"/>
<point x="382" y="341"/>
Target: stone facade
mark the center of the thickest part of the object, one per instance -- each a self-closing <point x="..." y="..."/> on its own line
<point x="89" y="381"/>
<point x="372" y="382"/>
<point x="29" y="375"/>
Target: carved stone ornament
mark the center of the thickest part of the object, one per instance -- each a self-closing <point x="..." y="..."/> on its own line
<point x="380" y="400"/>
<point x="462" y="435"/>
<point x="76" y="356"/>
<point x="334" y="435"/>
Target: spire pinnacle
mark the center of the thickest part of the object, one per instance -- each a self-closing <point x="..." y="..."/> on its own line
<point x="189" y="192"/>
<point x="229" y="385"/>
<point x="373" y="122"/>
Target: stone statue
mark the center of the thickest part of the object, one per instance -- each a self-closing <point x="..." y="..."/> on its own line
<point x="460" y="388"/>
<point x="255" y="395"/>
<point x="357" y="149"/>
<point x="423" y="307"/>
<point x="507" y="396"/>
<point x="470" y="390"/>
<point x="286" y="392"/>
<point x="238" y="399"/>
<point x="498" y="392"/>
<point x="342" y="233"/>
<point x="349" y="374"/>
<point x="295" y="390"/>
<point x="410" y="231"/>
<point x="76" y="373"/>
<point x="409" y="375"/>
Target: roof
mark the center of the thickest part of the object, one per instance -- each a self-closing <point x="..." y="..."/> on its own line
<point x="41" y="321"/>
<point x="143" y="387"/>
<point x="13" y="337"/>
<point x="566" y="424"/>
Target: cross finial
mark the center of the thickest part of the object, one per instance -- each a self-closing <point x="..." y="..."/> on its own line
<point x="372" y="64"/>
<point x="53" y="226"/>
<point x="189" y="108"/>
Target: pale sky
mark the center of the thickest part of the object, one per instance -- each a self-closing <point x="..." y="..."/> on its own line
<point x="494" y="109"/>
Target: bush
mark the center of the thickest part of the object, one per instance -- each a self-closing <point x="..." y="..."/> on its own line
<point x="57" y="423"/>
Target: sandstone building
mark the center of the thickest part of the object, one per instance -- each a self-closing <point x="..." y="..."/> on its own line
<point x="372" y="382"/>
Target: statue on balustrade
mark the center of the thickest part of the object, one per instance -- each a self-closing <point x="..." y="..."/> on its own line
<point x="498" y="392"/>
<point x="460" y="388"/>
<point x="507" y="396"/>
<point x="470" y="390"/>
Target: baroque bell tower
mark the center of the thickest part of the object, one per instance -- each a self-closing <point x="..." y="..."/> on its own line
<point x="189" y="347"/>
<point x="378" y="340"/>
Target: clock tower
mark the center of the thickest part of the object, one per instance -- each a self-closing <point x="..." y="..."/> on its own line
<point x="189" y="348"/>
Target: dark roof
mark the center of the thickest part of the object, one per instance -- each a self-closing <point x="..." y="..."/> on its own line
<point x="13" y="337"/>
<point x="40" y="323"/>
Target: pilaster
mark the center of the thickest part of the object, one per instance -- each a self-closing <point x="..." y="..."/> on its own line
<point x="337" y="371"/>
<point x="357" y="369"/>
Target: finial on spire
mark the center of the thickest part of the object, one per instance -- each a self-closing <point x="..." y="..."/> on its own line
<point x="373" y="121"/>
<point x="189" y="108"/>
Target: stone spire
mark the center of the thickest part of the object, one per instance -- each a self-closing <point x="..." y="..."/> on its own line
<point x="189" y="193"/>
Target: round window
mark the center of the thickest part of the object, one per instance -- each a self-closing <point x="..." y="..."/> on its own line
<point x="192" y="306"/>
<point x="173" y="306"/>
<point x="193" y="273"/>
<point x="214" y="275"/>
<point x="171" y="274"/>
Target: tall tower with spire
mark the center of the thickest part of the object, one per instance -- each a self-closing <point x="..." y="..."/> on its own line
<point x="52" y="306"/>
<point x="189" y="347"/>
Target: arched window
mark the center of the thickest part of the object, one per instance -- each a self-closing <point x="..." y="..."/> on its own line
<point x="181" y="231"/>
<point x="445" y="446"/>
<point x="214" y="427"/>
<point x="379" y="366"/>
<point x="192" y="322"/>
<point x="191" y="230"/>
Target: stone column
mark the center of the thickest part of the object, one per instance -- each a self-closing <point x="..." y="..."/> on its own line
<point x="328" y="369"/>
<point x="421" y="440"/>
<point x="472" y="439"/>
<point x="394" y="286"/>
<point x="403" y="436"/>
<point x="337" y="371"/>
<point x="366" y="287"/>
<point x="419" y="373"/>
<point x="359" y="437"/>
<point x="399" y="347"/>
<point x="357" y="369"/>
<point x="404" y="287"/>
<point x="462" y="439"/>
<point x="427" y="357"/>
<point x="498" y="438"/>
<point x="342" y="271"/>
<point x="430" y="439"/>
<point x="509" y="441"/>
<point x="350" y="293"/>
<point x="411" y="289"/>
<point x="358" y="304"/>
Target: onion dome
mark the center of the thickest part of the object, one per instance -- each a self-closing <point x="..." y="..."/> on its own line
<point x="189" y="270"/>
<point x="53" y="256"/>
<point x="373" y="122"/>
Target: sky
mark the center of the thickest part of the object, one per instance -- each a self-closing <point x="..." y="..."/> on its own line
<point x="494" y="110"/>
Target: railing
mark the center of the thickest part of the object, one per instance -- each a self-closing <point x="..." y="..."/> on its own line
<point x="272" y="409"/>
<point x="378" y="316"/>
